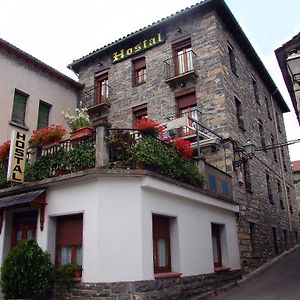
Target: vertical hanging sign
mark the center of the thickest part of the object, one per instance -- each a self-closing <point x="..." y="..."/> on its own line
<point x="17" y="157"/>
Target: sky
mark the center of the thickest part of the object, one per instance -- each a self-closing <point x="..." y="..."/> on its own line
<point x="60" y="31"/>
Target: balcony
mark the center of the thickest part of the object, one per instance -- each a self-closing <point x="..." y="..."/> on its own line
<point x="189" y="127"/>
<point x="97" y="100"/>
<point x="124" y="149"/>
<point x="181" y="68"/>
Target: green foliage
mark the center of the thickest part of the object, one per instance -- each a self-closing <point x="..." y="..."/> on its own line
<point x="81" y="157"/>
<point x="166" y="160"/>
<point x="27" y="272"/>
<point x="3" y="181"/>
<point x="64" y="276"/>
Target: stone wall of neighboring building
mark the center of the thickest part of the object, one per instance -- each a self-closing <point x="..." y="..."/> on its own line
<point x="296" y="179"/>
<point x="267" y="223"/>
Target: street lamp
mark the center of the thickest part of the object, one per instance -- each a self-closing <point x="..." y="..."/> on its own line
<point x="249" y="149"/>
<point x="293" y="65"/>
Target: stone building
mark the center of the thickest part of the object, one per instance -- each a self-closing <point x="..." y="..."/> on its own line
<point x="198" y="63"/>
<point x="289" y="53"/>
<point x="296" y="178"/>
<point x="32" y="94"/>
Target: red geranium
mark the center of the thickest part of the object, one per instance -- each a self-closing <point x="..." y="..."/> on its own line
<point x="148" y="126"/>
<point x="4" y="152"/>
<point x="183" y="148"/>
<point x="48" y="135"/>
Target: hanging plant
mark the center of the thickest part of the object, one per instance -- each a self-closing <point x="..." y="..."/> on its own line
<point x="46" y="136"/>
<point x="148" y="127"/>
<point x="4" y="153"/>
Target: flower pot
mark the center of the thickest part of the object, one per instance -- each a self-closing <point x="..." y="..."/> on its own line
<point x="77" y="275"/>
<point x="81" y="134"/>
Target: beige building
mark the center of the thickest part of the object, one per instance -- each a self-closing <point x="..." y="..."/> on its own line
<point x="32" y="94"/>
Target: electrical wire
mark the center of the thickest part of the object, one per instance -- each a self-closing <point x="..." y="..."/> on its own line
<point x="279" y="145"/>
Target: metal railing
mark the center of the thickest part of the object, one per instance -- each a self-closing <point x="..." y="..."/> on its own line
<point x="94" y="96"/>
<point x="180" y="64"/>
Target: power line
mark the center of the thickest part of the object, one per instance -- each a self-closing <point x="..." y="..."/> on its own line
<point x="279" y="145"/>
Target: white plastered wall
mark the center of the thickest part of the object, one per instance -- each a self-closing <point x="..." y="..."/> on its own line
<point x="117" y="226"/>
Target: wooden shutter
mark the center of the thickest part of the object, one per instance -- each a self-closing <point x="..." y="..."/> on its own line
<point x="69" y="230"/>
<point x="19" y="107"/>
<point x="186" y="100"/>
<point x="43" y="117"/>
<point x="139" y="63"/>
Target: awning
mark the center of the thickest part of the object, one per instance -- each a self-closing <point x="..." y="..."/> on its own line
<point x="33" y="198"/>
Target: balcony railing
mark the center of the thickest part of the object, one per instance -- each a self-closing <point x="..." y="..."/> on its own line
<point x="181" y="67"/>
<point x="95" y="95"/>
<point x="189" y="127"/>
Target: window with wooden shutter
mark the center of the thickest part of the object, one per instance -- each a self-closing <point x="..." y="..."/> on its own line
<point x="183" y="55"/>
<point x="43" y="116"/>
<point x="69" y="231"/>
<point x="102" y="88"/>
<point x="139" y="71"/>
<point x="139" y="112"/>
<point x="186" y="106"/>
<point x="161" y="244"/>
<point x="19" y="107"/>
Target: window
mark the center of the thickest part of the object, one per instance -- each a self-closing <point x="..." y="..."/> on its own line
<point x="239" y="114"/>
<point x="283" y="159"/>
<point x="288" y="193"/>
<point x="279" y="189"/>
<point x="161" y="244"/>
<point x="24" y="226"/>
<point x="102" y="88"/>
<point x="19" y="107"/>
<point x="216" y="244"/>
<point x="255" y="90"/>
<point x="274" y="150"/>
<point x="275" y="243"/>
<point x="43" y="116"/>
<point x="139" y="71"/>
<point x="261" y="134"/>
<point x="69" y="239"/>
<point x="183" y="59"/>
<point x="285" y="239"/>
<point x="252" y="236"/>
<point x="278" y="122"/>
<point x="186" y="106"/>
<point x="268" y="107"/>
<point x="269" y="189"/>
<point x="247" y="176"/>
<point x="232" y="59"/>
<point x="139" y="112"/>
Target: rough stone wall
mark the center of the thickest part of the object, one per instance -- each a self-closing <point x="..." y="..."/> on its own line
<point x="181" y="288"/>
<point x="216" y="87"/>
<point x="255" y="207"/>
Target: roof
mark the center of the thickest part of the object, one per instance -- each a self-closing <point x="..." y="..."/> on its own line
<point x="296" y="166"/>
<point x="225" y="14"/>
<point x="39" y="64"/>
<point x="281" y="54"/>
<point x="20" y="199"/>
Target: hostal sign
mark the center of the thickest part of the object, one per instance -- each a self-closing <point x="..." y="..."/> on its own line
<point x="17" y="157"/>
<point x="141" y="46"/>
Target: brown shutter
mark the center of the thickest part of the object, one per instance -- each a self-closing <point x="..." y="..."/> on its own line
<point x="161" y="227"/>
<point x="139" y="63"/>
<point x="186" y="100"/>
<point x="69" y="230"/>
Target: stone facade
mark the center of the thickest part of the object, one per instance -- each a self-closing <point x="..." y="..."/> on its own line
<point x="267" y="225"/>
<point x="181" y="288"/>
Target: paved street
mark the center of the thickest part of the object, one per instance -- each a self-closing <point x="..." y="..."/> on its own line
<point x="280" y="282"/>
